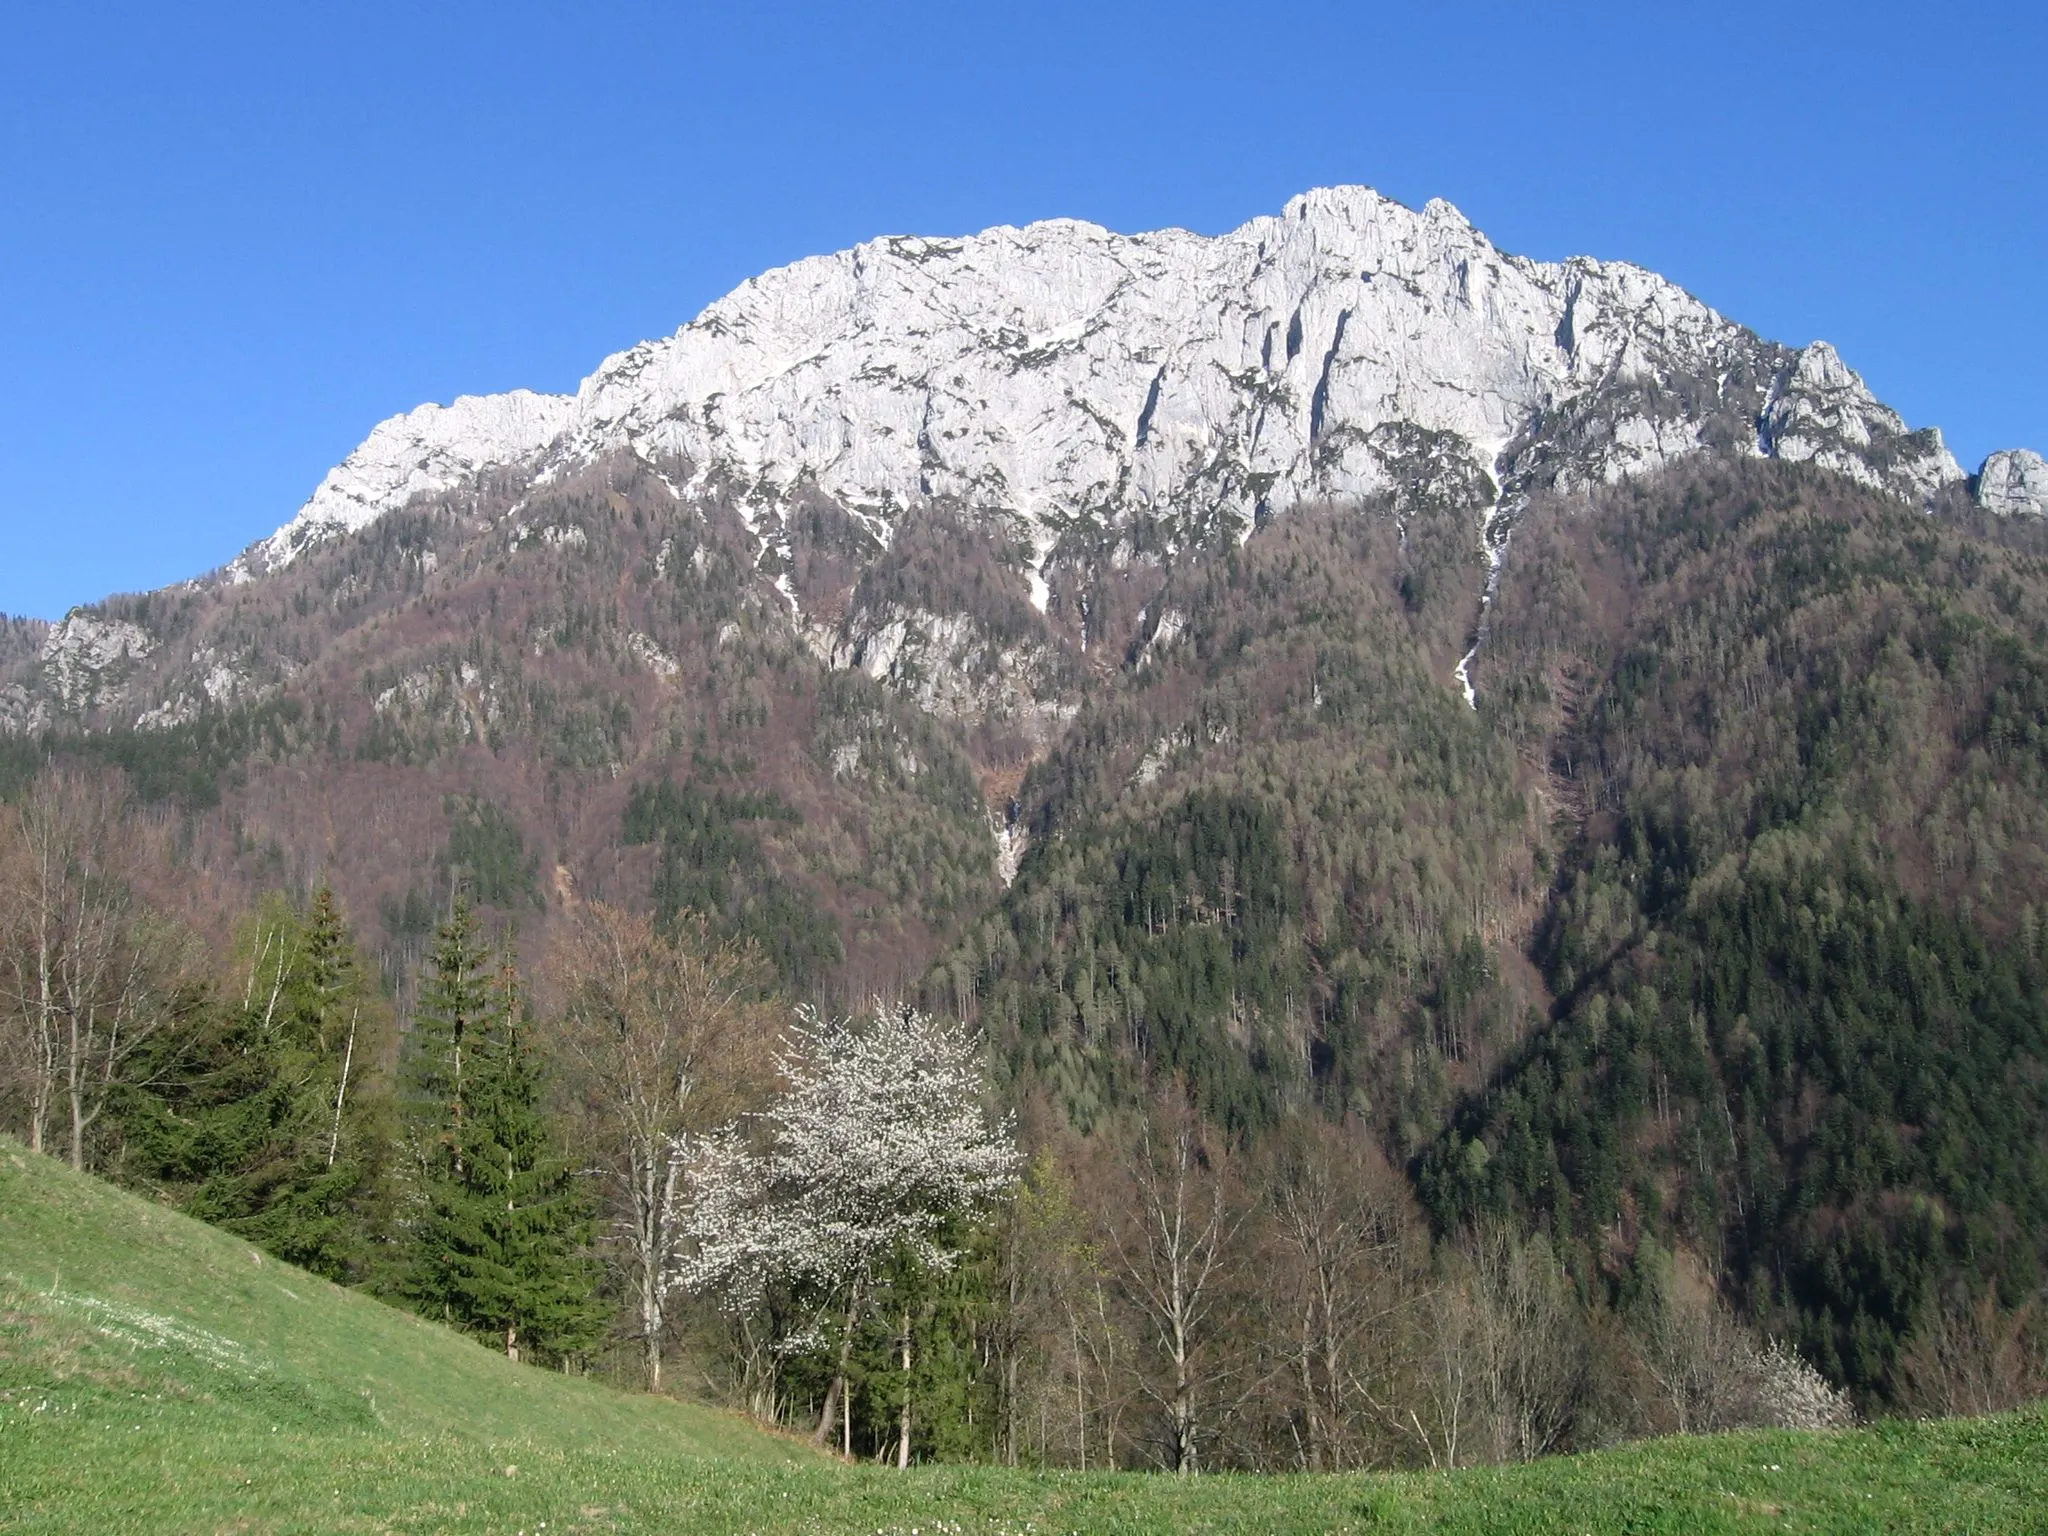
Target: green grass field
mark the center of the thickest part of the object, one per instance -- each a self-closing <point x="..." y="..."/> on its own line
<point x="157" y="1375"/>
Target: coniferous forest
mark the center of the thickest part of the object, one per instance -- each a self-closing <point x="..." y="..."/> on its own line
<point x="1347" y="1077"/>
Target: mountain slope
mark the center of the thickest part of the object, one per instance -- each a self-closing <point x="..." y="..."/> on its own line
<point x="957" y="469"/>
<point x="1336" y="664"/>
<point x="1794" y="740"/>
<point x="115" y="1306"/>
<point x="153" y="1378"/>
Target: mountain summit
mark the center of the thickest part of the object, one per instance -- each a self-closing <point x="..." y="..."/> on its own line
<point x="1081" y="399"/>
<point x="1074" y="379"/>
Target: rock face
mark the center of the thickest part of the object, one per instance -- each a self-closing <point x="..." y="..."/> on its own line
<point x="1065" y="376"/>
<point x="1084" y="404"/>
<point x="1823" y="414"/>
<point x="2014" y="484"/>
<point x="425" y="451"/>
<point x="84" y="654"/>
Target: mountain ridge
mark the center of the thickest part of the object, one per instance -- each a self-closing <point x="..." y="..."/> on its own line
<point x="1390" y="693"/>
<point x="1056" y="282"/>
<point x="1097" y="399"/>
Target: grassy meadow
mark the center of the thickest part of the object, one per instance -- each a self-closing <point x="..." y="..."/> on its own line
<point x="158" y="1375"/>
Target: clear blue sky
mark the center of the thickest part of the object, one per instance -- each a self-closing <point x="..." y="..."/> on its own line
<point x="232" y="237"/>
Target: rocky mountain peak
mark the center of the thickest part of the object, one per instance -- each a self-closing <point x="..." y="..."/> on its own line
<point x="1086" y="399"/>
<point x="1060" y="372"/>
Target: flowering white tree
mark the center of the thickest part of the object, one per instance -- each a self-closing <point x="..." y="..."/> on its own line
<point x="879" y="1145"/>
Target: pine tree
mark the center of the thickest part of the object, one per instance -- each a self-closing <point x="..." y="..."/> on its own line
<point x="503" y="1229"/>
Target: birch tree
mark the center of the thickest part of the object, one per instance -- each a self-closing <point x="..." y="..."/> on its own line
<point x="1336" y="1245"/>
<point x="88" y="977"/>
<point x="1171" y="1254"/>
<point x="664" y="1040"/>
<point x="878" y="1147"/>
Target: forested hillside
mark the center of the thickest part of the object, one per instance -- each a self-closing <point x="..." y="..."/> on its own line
<point x="1793" y="741"/>
<point x="1519" y="1072"/>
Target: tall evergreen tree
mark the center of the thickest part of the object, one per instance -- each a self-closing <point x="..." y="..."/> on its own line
<point x="503" y="1229"/>
<point x="455" y="1005"/>
<point x="270" y="1123"/>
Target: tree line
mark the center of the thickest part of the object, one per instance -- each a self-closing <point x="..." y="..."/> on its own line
<point x="643" y="1161"/>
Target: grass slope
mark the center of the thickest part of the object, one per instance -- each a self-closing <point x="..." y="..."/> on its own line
<point x="157" y="1375"/>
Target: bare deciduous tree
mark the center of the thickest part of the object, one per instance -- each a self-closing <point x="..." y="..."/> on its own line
<point x="666" y="1040"/>
<point x="1335" y="1227"/>
<point x="1973" y="1357"/>
<point x="1527" y="1339"/>
<point x="1701" y="1358"/>
<point x="87" y="975"/>
<point x="1171" y="1248"/>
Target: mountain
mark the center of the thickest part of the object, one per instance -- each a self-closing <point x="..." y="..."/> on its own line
<point x="961" y="469"/>
<point x="1336" y="663"/>
<point x="1062" y="376"/>
<point x="1097" y="396"/>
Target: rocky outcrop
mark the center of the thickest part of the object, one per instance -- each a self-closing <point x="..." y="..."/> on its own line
<point x="85" y="658"/>
<point x="1821" y="412"/>
<point x="1085" y="405"/>
<point x="1067" y="376"/>
<point x="954" y="668"/>
<point x="2014" y="483"/>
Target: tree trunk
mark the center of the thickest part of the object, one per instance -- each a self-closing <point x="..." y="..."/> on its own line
<point x="341" y="1093"/>
<point x="903" y="1430"/>
<point x="44" y="1091"/>
<point x="651" y="1321"/>
<point x="1311" y="1411"/>
<point x="836" y="1393"/>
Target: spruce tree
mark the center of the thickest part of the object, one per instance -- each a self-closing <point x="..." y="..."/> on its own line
<point x="503" y="1229"/>
<point x="455" y="1003"/>
<point x="269" y="1121"/>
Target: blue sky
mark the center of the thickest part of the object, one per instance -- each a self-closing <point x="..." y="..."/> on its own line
<point x="233" y="237"/>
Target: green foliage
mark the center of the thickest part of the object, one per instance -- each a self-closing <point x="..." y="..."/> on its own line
<point x="1193" y="937"/>
<point x="501" y="1227"/>
<point x="270" y="1120"/>
<point x="1835" y="1084"/>
<point x="181" y="764"/>
<point x="487" y="855"/>
<point x="509" y="1235"/>
<point x="456" y="1006"/>
<point x="1261" y="864"/>
<point x="713" y="864"/>
<point x="948" y="1317"/>
<point x="1799" y="1020"/>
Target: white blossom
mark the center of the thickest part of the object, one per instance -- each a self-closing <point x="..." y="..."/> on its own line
<point x="880" y="1141"/>
<point x="1791" y="1394"/>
